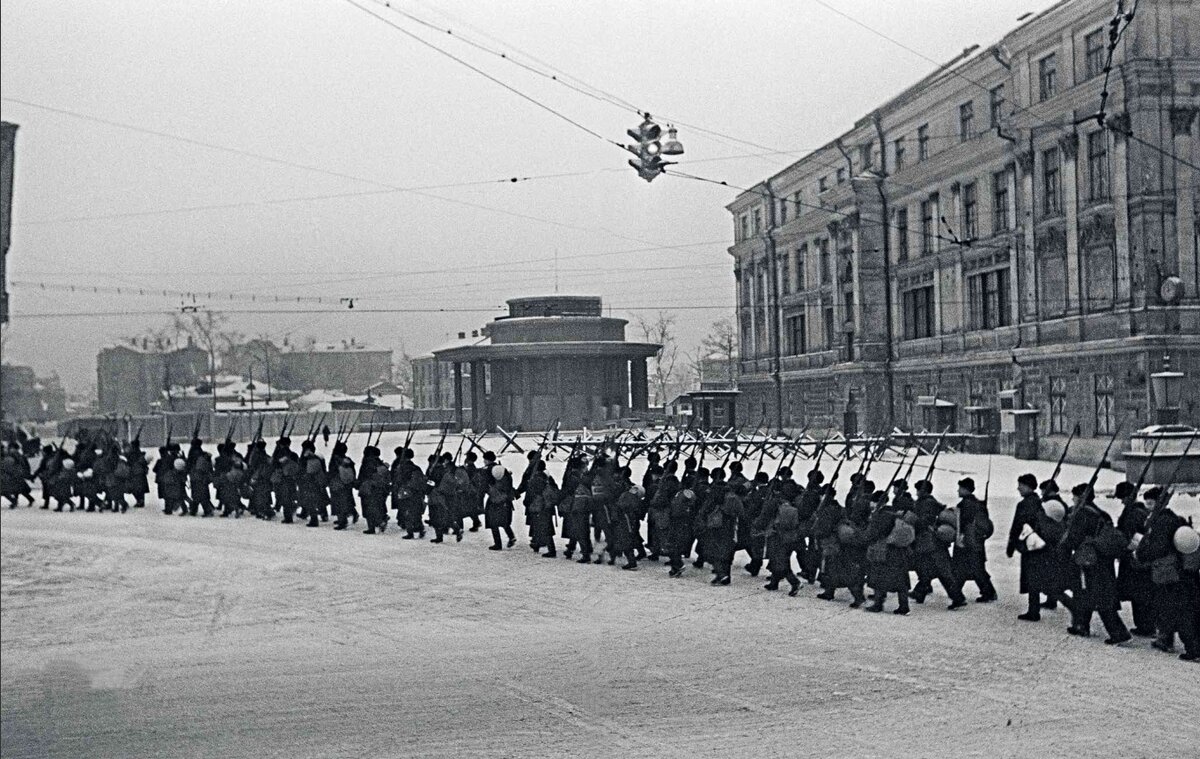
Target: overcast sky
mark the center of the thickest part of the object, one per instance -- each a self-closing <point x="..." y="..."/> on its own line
<point x="352" y="108"/>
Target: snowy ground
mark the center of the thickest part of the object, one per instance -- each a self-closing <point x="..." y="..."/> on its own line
<point x="151" y="636"/>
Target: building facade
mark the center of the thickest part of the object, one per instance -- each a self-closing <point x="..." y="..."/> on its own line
<point x="347" y="366"/>
<point x="984" y="239"/>
<point x="132" y="378"/>
<point x="433" y="382"/>
<point x="551" y="359"/>
<point x="25" y="397"/>
<point x="8" y="140"/>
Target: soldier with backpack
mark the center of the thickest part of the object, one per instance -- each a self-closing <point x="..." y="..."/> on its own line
<point x="783" y="540"/>
<point x="1176" y="594"/>
<point x="1088" y="542"/>
<point x="889" y="540"/>
<point x="969" y="557"/>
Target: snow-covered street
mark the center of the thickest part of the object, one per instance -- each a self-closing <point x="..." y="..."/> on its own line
<point x="151" y="636"/>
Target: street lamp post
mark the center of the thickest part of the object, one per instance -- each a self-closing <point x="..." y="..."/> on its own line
<point x="250" y="387"/>
<point x="1166" y="385"/>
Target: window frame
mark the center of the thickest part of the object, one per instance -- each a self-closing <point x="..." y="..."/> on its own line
<point x="989" y="301"/>
<point x="1000" y="199"/>
<point x="923" y="142"/>
<point x="1104" y="404"/>
<point x="1094" y="58"/>
<point x="966" y="121"/>
<point x="995" y="104"/>
<point x="918" y="308"/>
<point x="970" y="206"/>
<point x="1058" y="404"/>
<point x="1098" y="166"/>
<point x="1052" y="204"/>
<point x="797" y="327"/>
<point x="1047" y="77"/>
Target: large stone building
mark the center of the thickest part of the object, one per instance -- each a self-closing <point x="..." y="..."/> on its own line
<point x="25" y="397"/>
<point x="347" y="366"/>
<point x="982" y="239"/>
<point x="552" y="358"/>
<point x="433" y="380"/>
<point x="132" y="378"/>
<point x="8" y="139"/>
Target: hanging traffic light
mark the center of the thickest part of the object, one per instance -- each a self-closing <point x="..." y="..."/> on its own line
<point x="649" y="150"/>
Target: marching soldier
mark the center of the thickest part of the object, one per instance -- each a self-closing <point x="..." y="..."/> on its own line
<point x="1176" y="592"/>
<point x="1133" y="578"/>
<point x="1099" y="575"/>
<point x="931" y="555"/>
<point x="969" y="558"/>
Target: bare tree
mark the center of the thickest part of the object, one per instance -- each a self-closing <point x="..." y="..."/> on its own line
<point x="208" y="331"/>
<point x="664" y="376"/>
<point x="722" y="340"/>
<point x="402" y="371"/>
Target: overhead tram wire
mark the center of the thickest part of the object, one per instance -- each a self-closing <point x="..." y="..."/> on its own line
<point x="587" y="91"/>
<point x="315" y="169"/>
<point x="955" y="72"/>
<point x="594" y="93"/>
<point x="301" y="199"/>
<point x="484" y="74"/>
<point x="196" y="295"/>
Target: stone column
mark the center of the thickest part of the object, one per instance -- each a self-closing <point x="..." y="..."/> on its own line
<point x="458" y="394"/>
<point x="1119" y="170"/>
<point x="527" y="384"/>
<point x="1068" y="148"/>
<point x="1028" y="297"/>
<point x="478" y="389"/>
<point x="1185" y="194"/>
<point x="638" y="385"/>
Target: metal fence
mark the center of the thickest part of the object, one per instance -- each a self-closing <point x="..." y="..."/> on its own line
<point x="154" y="430"/>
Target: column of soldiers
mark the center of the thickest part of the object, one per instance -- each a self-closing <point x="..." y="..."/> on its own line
<point x="1071" y="555"/>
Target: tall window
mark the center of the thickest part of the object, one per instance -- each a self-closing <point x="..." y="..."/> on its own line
<point x="756" y="224"/>
<point x="899" y="150"/>
<point x="1097" y="149"/>
<point x="826" y="263"/>
<point x="989" y="300"/>
<point x="970" y="206"/>
<point x="785" y="276"/>
<point x="796" y="201"/>
<point x="1047" y="78"/>
<point x="996" y="105"/>
<point x="830" y="329"/>
<point x="823" y="183"/>
<point x="866" y="155"/>
<point x="1106" y="407"/>
<point x="902" y="233"/>
<point x="1051" y="183"/>
<point x="922" y="142"/>
<point x="801" y="262"/>
<point x="841" y="176"/>
<point x="1058" y="405"/>
<point x="797" y="335"/>
<point x="928" y="229"/>
<point x="966" y="121"/>
<point x="1000" y="220"/>
<point x="744" y="226"/>
<point x="1095" y="54"/>
<point x="783" y="204"/>
<point x="918" y="313"/>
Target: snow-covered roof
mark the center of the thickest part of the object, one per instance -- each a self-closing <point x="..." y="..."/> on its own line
<point x="228" y="386"/>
